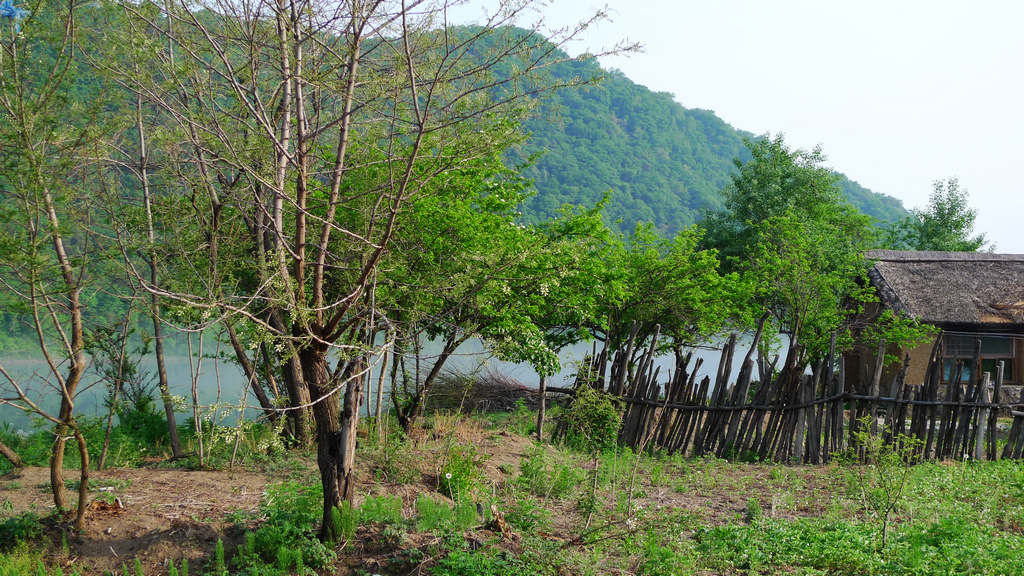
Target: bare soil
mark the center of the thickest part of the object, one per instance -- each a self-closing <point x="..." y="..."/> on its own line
<point x="157" y="514"/>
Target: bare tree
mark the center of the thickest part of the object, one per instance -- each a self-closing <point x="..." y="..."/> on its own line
<point x="44" y="229"/>
<point x="302" y="130"/>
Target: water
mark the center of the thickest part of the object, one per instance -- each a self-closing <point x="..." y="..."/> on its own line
<point x="224" y="381"/>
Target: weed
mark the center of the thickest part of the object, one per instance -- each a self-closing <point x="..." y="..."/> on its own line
<point x="346" y="520"/>
<point x="527" y="516"/>
<point x="658" y="559"/>
<point x="753" y="512"/>
<point x="541" y="476"/>
<point x="383" y="509"/>
<point x="462" y="471"/>
<point x="522" y="420"/>
<point x="285" y="543"/>
<point x="431" y="515"/>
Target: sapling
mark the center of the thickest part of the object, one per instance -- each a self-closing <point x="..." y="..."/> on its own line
<point x="881" y="478"/>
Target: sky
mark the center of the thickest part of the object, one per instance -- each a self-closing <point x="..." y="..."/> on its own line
<point x="899" y="94"/>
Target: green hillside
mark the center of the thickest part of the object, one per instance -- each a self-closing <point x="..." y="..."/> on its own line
<point x="663" y="162"/>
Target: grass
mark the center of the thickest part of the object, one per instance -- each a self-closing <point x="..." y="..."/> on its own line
<point x="688" y="516"/>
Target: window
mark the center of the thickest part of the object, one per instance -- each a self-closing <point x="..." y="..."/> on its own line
<point x="960" y="349"/>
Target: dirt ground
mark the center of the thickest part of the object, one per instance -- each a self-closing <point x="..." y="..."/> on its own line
<point x="158" y="514"/>
<point x="152" y="514"/>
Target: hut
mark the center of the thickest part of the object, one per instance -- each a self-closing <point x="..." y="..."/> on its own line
<point x="970" y="296"/>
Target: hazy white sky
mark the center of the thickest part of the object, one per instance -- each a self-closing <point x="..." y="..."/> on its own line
<point x="898" y="93"/>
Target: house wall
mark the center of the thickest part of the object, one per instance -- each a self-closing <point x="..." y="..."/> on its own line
<point x="918" y="363"/>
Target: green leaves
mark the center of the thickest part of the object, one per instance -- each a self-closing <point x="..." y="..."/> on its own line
<point x="796" y="242"/>
<point x="946" y="224"/>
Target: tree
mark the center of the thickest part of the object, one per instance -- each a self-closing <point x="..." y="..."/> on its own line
<point x="946" y="224"/>
<point x="799" y="244"/>
<point x="671" y="287"/>
<point x="46" y="217"/>
<point x="775" y="180"/>
<point x="298" y="135"/>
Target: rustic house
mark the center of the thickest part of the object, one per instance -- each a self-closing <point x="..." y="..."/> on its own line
<point x="969" y="295"/>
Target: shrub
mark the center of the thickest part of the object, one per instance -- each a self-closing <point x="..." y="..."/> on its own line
<point x="24" y="527"/>
<point x="880" y="482"/>
<point x="592" y="420"/>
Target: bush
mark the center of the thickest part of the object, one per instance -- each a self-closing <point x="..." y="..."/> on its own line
<point x="592" y="420"/>
<point x="24" y="527"/>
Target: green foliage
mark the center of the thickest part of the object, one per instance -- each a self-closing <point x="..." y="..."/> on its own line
<point x="24" y="527"/>
<point x="950" y="545"/>
<point x="19" y="558"/>
<point x="527" y="515"/>
<point x="394" y="460"/>
<point x="665" y="559"/>
<point x="946" y="224"/>
<point x="461" y="562"/>
<point x="219" y="567"/>
<point x="592" y="420"/>
<point x="522" y="420"/>
<point x="384" y="509"/>
<point x="799" y="245"/>
<point x="285" y="542"/>
<point x="461" y="472"/>
<point x="897" y="330"/>
<point x="753" y="512"/>
<point x="670" y="284"/>
<point x="432" y="515"/>
<point x="880" y="482"/>
<point x="542" y="475"/>
<point x="345" y="520"/>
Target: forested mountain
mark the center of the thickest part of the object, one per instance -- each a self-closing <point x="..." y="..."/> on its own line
<point x="664" y="163"/>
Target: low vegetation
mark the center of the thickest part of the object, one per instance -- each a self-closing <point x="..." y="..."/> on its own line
<point x="471" y="496"/>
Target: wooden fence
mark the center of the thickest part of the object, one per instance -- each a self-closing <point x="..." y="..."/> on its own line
<point x="809" y="418"/>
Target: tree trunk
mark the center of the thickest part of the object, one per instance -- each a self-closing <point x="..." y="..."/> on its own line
<point x="540" y="409"/>
<point x="335" y="431"/>
<point x="11" y="456"/>
<point x="415" y="409"/>
<point x="161" y="370"/>
<point x="83" y="479"/>
<point x="250" y="373"/>
<point x="299" y="396"/>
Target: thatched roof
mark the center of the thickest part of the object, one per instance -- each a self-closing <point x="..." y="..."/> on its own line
<point x="953" y="289"/>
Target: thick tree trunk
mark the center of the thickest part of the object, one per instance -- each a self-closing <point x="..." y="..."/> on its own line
<point x="335" y="429"/>
<point x="299" y="396"/>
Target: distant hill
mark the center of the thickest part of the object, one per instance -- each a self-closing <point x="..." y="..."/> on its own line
<point x="665" y="163"/>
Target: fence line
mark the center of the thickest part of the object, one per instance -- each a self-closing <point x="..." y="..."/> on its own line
<point x="808" y="418"/>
